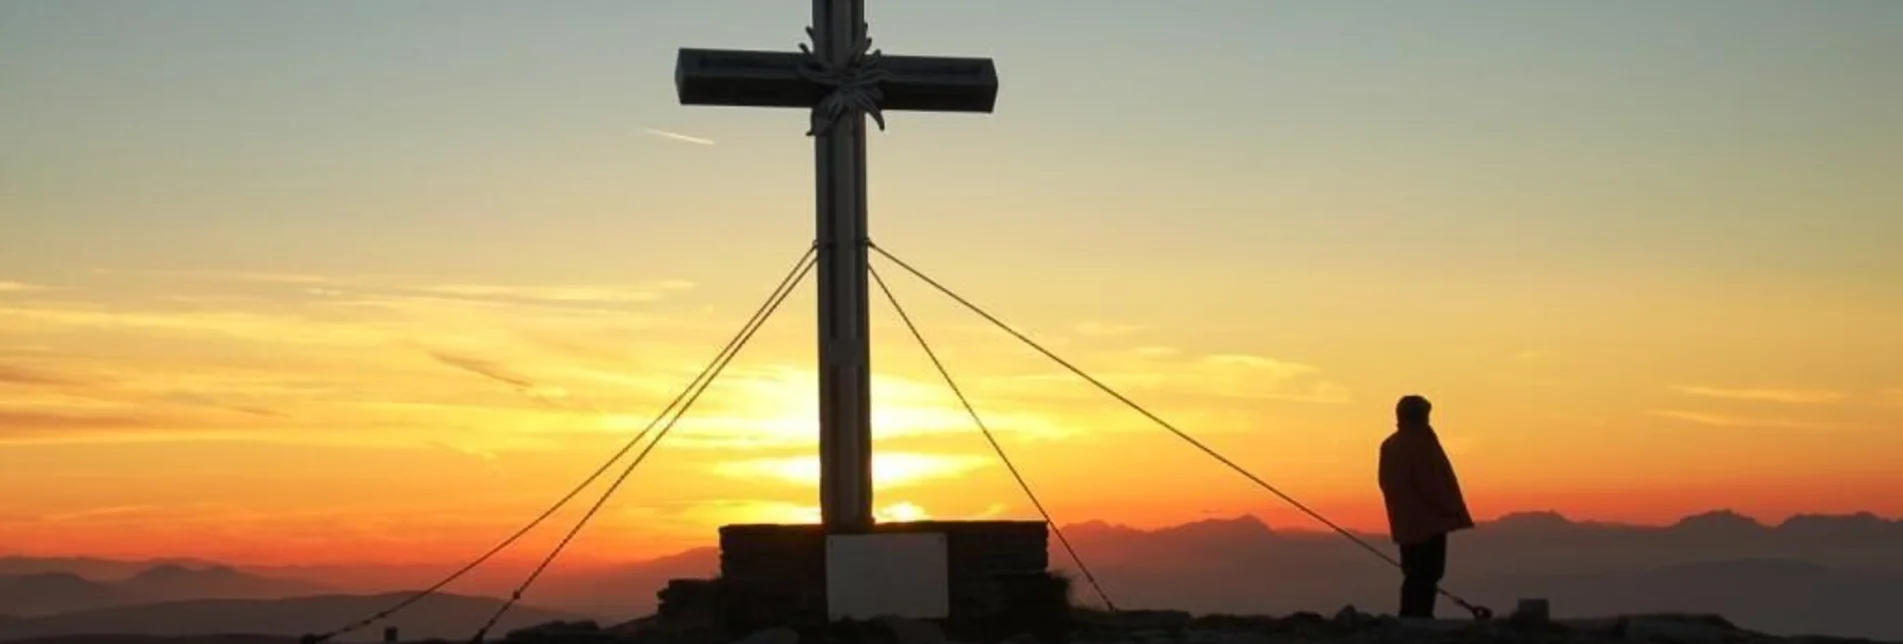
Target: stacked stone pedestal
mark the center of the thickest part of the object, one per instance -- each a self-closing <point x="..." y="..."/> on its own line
<point x="775" y="575"/>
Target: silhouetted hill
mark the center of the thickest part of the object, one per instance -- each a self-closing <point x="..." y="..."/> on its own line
<point x="175" y="582"/>
<point x="1776" y="596"/>
<point x="56" y="592"/>
<point x="624" y="590"/>
<point x="48" y="593"/>
<point x="93" y="568"/>
<point x="157" y="639"/>
<point x="1809" y="574"/>
<point x="1822" y="575"/>
<point x="443" y="616"/>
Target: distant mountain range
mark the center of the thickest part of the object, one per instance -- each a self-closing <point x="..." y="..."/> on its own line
<point x="38" y="588"/>
<point x="1826" y="575"/>
<point x="1808" y="575"/>
<point x="451" y="617"/>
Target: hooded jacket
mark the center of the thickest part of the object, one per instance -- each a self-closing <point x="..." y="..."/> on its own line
<point x="1418" y="484"/>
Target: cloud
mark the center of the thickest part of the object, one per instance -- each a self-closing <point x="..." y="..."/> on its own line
<point x="1787" y="396"/>
<point x="1720" y="420"/>
<point x="596" y="294"/>
<point x="94" y="513"/>
<point x="237" y="276"/>
<point x="210" y="402"/>
<point x="279" y="365"/>
<point x="1267" y="366"/>
<point x="273" y="329"/>
<point x="395" y="285"/>
<point x="32" y="423"/>
<point x="554" y="396"/>
<point x="1227" y="377"/>
<point x="1531" y="355"/>
<point x="482" y="368"/>
<point x="1100" y="329"/>
<point x="478" y="454"/>
<point x="24" y="376"/>
<point x="18" y="287"/>
<point x="675" y="136"/>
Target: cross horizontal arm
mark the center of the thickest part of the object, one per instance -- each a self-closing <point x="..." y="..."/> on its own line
<point x="772" y="79"/>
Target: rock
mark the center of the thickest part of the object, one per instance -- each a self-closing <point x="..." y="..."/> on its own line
<point x="906" y="631"/>
<point x="1304" y="623"/>
<point x="1424" y="625"/>
<point x="1531" y="612"/>
<point x="779" y="635"/>
<point x="563" y="632"/>
<point x="1153" y="619"/>
<point x="1678" y="629"/>
<point x="1349" y="618"/>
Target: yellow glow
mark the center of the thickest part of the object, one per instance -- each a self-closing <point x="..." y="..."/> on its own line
<point x="889" y="469"/>
<point x="901" y="512"/>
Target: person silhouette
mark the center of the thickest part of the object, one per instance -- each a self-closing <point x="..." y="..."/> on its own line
<point x="1424" y="503"/>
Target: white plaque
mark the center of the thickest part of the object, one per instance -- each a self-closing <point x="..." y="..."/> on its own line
<point x="878" y="575"/>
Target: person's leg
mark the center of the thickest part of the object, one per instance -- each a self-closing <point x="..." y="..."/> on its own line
<point x="1416" y="568"/>
<point x="1433" y="568"/>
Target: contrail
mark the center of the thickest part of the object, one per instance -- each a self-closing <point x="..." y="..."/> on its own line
<point x="678" y="137"/>
<point x="521" y="384"/>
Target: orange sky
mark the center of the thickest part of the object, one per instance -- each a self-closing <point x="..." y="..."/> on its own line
<point x="265" y="298"/>
<point x="290" y="418"/>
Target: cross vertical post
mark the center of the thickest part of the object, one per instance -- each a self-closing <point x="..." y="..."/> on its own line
<point x="842" y="81"/>
<point x="845" y="348"/>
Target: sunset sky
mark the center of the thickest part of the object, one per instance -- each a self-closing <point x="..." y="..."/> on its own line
<point x="377" y="281"/>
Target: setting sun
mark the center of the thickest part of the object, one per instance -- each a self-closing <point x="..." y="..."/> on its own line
<point x="890" y="469"/>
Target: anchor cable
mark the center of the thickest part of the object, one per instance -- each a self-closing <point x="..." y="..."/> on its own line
<point x="720" y="364"/>
<point x="989" y="437"/>
<point x="791" y="276"/>
<point x="1479" y="611"/>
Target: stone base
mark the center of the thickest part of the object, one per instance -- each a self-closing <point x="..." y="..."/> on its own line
<point x="775" y="575"/>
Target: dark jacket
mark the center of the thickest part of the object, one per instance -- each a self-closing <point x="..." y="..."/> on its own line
<point x="1418" y="483"/>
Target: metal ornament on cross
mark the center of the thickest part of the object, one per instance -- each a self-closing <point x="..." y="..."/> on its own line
<point x="842" y="80"/>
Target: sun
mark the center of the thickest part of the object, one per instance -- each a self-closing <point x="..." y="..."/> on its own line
<point x="780" y="407"/>
<point x="902" y="512"/>
<point x="890" y="470"/>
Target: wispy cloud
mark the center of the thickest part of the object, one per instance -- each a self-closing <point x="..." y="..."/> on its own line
<point x="1531" y="355"/>
<point x="24" y="376"/>
<point x="16" y="423"/>
<point x="1787" y="396"/>
<point x="93" y="513"/>
<point x="559" y="293"/>
<point x="676" y="136"/>
<point x="553" y="396"/>
<point x="1156" y="352"/>
<point x="478" y="454"/>
<point x="401" y="285"/>
<point x="222" y="361"/>
<point x="213" y="402"/>
<point x="1721" y="420"/>
<point x="1105" y="329"/>
<point x="18" y="287"/>
<point x="1235" y="377"/>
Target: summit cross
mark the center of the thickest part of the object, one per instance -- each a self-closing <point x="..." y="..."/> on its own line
<point x="842" y="80"/>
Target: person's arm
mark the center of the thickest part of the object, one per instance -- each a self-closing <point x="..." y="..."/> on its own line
<point x="1397" y="479"/>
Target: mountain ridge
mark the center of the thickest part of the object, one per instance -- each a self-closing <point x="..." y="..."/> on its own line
<point x="1807" y="574"/>
<point x="444" y="616"/>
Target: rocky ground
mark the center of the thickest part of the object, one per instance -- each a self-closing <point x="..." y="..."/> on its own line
<point x="1165" y="627"/>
